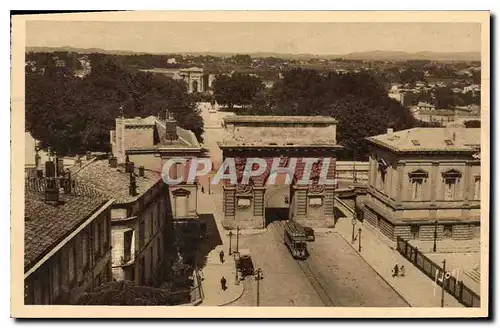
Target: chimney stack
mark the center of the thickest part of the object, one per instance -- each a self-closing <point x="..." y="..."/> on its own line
<point x="141" y="171"/>
<point x="133" y="186"/>
<point x="51" y="186"/>
<point x="390" y="131"/>
<point x="170" y="127"/>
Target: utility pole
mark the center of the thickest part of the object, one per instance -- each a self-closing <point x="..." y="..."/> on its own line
<point x="230" y="237"/>
<point x="435" y="236"/>
<point x="258" y="276"/>
<point x="442" y="283"/>
<point x="359" y="237"/>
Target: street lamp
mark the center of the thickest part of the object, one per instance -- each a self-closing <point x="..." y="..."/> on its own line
<point x="435" y="235"/>
<point x="359" y="237"/>
<point x="230" y="237"/>
<point x="258" y="276"/>
<point x="354" y="221"/>
<point x="237" y="239"/>
<point x="209" y="186"/>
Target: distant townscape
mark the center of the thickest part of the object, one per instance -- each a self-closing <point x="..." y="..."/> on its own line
<point x="399" y="133"/>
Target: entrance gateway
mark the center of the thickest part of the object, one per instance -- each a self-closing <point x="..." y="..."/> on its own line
<point x="283" y="137"/>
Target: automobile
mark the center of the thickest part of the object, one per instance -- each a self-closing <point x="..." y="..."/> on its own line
<point x="309" y="233"/>
<point x="244" y="263"/>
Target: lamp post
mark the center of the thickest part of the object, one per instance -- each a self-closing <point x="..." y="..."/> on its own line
<point x="435" y="235"/>
<point x="353" y="228"/>
<point x="237" y="239"/>
<point x="258" y="276"/>
<point x="442" y="283"/>
<point x="209" y="186"/>
<point x="359" y="237"/>
<point x="230" y="237"/>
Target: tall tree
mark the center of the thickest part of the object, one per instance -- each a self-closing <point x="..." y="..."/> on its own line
<point x="237" y="89"/>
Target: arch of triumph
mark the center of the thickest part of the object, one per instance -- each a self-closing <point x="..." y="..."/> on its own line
<point x="280" y="137"/>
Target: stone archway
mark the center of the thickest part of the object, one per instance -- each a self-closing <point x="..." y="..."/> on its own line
<point x="277" y="203"/>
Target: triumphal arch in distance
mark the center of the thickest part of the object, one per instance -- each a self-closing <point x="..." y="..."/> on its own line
<point x="285" y="138"/>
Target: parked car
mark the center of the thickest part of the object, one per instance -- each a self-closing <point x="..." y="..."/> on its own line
<point x="244" y="263"/>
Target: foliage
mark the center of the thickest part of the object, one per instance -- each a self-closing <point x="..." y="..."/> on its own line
<point x="72" y="114"/>
<point x="237" y="89"/>
<point x="358" y="101"/>
<point x="126" y="293"/>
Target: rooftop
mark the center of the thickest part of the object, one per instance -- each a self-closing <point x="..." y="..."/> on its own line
<point x="46" y="225"/>
<point x="114" y="182"/>
<point x="279" y="119"/>
<point x="431" y="139"/>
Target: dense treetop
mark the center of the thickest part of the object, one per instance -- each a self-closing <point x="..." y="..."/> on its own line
<point x="72" y="114"/>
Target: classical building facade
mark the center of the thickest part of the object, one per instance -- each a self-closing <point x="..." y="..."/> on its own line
<point x="422" y="180"/>
<point x="287" y="139"/>
<point x="67" y="244"/>
<point x="195" y="78"/>
<point x="140" y="220"/>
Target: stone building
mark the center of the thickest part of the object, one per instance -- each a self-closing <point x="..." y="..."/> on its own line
<point x="285" y="138"/>
<point x="196" y="79"/>
<point x="150" y="143"/>
<point x="424" y="179"/>
<point x="67" y="241"/>
<point x="140" y="220"/>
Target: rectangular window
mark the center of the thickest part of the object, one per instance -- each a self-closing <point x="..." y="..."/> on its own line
<point x="142" y="232"/>
<point x="449" y="191"/>
<point x="416" y="189"/>
<point x="477" y="188"/>
<point x="447" y="231"/>
<point x="72" y="263"/>
<point x="414" y="231"/>
<point x="127" y="245"/>
<point x="85" y="250"/>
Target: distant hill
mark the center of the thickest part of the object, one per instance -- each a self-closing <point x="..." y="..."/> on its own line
<point x="368" y="55"/>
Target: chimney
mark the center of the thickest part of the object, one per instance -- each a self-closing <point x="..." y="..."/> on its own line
<point x="51" y="186"/>
<point x="113" y="162"/>
<point x="390" y="131"/>
<point x="67" y="182"/>
<point x="133" y="186"/>
<point x="170" y="127"/>
<point x="141" y="171"/>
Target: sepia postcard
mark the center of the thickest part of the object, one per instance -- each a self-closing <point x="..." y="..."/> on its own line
<point x="250" y="164"/>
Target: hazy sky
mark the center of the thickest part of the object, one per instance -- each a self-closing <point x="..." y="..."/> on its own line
<point x="314" y="38"/>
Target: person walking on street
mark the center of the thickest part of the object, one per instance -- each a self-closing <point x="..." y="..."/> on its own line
<point x="202" y="190"/>
<point x="223" y="283"/>
<point x="221" y="255"/>
<point x="395" y="271"/>
<point x="402" y="271"/>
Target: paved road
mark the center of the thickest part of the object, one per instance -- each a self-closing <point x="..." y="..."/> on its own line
<point x="339" y="273"/>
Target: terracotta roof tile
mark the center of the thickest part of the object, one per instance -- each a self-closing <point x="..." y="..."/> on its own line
<point x="47" y="225"/>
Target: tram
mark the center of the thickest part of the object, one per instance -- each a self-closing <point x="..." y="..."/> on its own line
<point x="296" y="240"/>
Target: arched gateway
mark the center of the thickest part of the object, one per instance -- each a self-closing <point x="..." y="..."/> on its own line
<point x="289" y="139"/>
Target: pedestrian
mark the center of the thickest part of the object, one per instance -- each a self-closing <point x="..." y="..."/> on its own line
<point x="402" y="271"/>
<point x="223" y="283"/>
<point x="202" y="190"/>
<point x="221" y="255"/>
<point x="395" y="271"/>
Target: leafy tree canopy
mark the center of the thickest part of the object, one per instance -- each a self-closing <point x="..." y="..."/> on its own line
<point x="357" y="100"/>
<point x="72" y="114"/>
<point x="237" y="89"/>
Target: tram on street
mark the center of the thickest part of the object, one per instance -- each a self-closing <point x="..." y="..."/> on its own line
<point x="296" y="240"/>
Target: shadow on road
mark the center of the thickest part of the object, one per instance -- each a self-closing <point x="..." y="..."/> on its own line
<point x="210" y="242"/>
